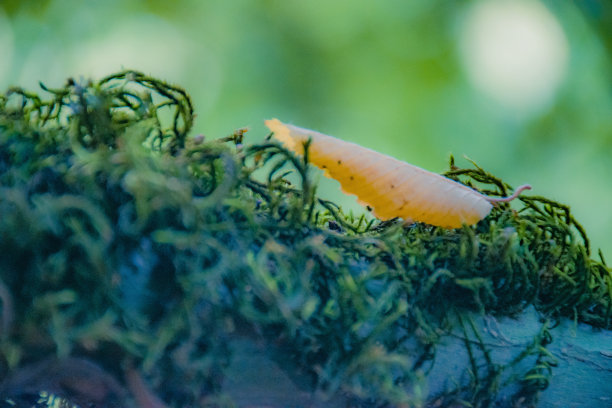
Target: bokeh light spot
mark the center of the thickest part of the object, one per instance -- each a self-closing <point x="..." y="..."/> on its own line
<point x="144" y="43"/>
<point x="515" y="52"/>
<point x="6" y="46"/>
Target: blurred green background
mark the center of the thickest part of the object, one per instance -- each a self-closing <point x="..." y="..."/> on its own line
<point x="522" y="87"/>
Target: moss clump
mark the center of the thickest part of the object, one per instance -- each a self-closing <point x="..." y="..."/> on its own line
<point x="125" y="242"/>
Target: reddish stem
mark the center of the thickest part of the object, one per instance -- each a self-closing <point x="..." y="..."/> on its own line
<point x="144" y="397"/>
<point x="516" y="193"/>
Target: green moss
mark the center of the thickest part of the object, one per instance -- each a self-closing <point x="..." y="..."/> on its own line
<point x="122" y="236"/>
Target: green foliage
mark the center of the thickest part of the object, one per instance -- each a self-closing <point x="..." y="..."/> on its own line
<point x="121" y="236"/>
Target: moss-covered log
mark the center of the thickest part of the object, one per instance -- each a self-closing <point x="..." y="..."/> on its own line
<point x="136" y="253"/>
